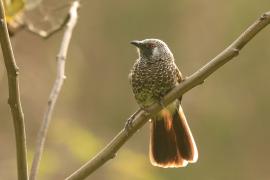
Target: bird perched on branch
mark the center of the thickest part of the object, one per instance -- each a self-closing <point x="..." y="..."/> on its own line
<point x="152" y="76"/>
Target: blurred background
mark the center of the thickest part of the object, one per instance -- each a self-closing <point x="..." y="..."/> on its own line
<point x="228" y="114"/>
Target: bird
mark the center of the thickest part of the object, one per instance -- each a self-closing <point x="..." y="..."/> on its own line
<point x="153" y="75"/>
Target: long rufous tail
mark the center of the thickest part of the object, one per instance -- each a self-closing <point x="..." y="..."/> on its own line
<point x="171" y="141"/>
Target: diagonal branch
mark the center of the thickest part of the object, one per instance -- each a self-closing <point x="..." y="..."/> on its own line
<point x="195" y="79"/>
<point x="60" y="76"/>
<point x="14" y="97"/>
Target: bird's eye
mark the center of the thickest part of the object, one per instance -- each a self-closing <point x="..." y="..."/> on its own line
<point x="151" y="45"/>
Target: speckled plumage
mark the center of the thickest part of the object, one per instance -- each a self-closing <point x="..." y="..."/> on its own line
<point x="152" y="77"/>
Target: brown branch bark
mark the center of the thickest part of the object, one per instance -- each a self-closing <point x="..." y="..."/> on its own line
<point x="60" y="76"/>
<point x="14" y="97"/>
<point x="195" y="79"/>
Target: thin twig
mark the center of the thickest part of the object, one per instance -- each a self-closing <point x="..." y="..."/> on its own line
<point x="61" y="59"/>
<point x="14" y="97"/>
<point x="195" y="79"/>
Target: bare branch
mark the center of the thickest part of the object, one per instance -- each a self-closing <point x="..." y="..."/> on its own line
<point x="195" y="79"/>
<point x="60" y="76"/>
<point x="14" y="97"/>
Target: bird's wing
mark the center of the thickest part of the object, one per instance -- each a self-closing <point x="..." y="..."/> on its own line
<point x="178" y="74"/>
<point x="179" y="78"/>
<point x="131" y="72"/>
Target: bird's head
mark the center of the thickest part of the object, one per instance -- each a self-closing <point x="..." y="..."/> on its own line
<point x="153" y="49"/>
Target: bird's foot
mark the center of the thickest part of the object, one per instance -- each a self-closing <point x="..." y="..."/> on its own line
<point x="161" y="102"/>
<point x="129" y="121"/>
<point x="184" y="78"/>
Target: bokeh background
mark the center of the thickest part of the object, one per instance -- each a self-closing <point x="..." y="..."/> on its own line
<point x="228" y="114"/>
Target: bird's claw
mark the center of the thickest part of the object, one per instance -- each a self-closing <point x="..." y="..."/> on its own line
<point x="161" y="102"/>
<point x="128" y="123"/>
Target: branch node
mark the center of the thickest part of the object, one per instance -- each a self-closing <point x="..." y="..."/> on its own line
<point x="263" y="16"/>
<point x="236" y="51"/>
<point x="201" y="82"/>
<point x="9" y="101"/>
<point x="17" y="71"/>
<point x="2" y="20"/>
<point x="60" y="58"/>
<point x="113" y="156"/>
<point x="49" y="102"/>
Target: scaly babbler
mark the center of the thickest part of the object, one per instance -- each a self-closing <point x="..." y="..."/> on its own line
<point x="152" y="76"/>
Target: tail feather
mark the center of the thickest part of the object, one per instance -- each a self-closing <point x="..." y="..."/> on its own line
<point x="171" y="142"/>
<point x="163" y="151"/>
<point x="184" y="139"/>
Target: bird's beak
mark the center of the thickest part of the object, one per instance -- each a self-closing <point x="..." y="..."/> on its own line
<point x="136" y="43"/>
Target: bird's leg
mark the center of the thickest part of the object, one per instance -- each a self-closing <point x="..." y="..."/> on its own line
<point x="160" y="100"/>
<point x="129" y="122"/>
<point x="184" y="78"/>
